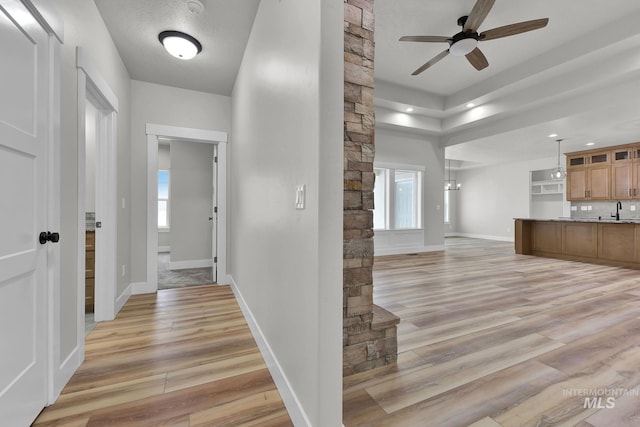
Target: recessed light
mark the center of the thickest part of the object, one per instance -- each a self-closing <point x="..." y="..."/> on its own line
<point x="553" y="135"/>
<point x="590" y="143"/>
<point x="409" y="110"/>
<point x="471" y="105"/>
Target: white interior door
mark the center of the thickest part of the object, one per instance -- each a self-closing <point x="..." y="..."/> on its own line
<point x="23" y="260"/>
<point x="214" y="216"/>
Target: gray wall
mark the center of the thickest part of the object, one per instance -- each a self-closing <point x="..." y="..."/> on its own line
<point x="164" y="105"/>
<point x="287" y="130"/>
<point x="492" y="196"/>
<point x="83" y="26"/>
<point x="403" y="148"/>
<point x="191" y="200"/>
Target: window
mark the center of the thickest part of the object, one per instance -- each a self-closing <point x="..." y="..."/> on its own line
<point x="397" y="198"/>
<point x="380" y="199"/>
<point x="163" y="199"/>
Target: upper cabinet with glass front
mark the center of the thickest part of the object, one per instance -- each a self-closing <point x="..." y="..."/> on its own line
<point x="611" y="174"/>
<point x="589" y="175"/>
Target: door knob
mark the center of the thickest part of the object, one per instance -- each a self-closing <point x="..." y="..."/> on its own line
<point x="47" y="236"/>
<point x="210" y="218"/>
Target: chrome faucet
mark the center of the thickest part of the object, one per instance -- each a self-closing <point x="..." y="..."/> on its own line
<point x="618" y="209"/>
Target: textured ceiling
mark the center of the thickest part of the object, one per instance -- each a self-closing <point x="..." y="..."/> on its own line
<point x="223" y="29"/>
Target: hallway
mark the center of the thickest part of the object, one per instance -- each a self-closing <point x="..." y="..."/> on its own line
<point x="181" y="357"/>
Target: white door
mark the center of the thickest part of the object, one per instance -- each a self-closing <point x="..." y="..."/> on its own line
<point x="23" y="260"/>
<point x="214" y="216"/>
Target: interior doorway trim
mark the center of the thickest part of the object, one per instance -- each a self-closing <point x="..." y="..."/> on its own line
<point x="92" y="87"/>
<point x="186" y="134"/>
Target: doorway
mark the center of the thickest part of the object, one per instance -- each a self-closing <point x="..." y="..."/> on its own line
<point x="91" y="136"/>
<point x="95" y="95"/>
<point x="186" y="194"/>
<point x="155" y="133"/>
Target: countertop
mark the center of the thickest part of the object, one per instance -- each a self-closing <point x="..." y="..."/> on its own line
<point x="603" y="220"/>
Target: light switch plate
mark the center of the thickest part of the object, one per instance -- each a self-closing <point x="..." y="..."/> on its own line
<point x="574" y="208"/>
<point x="583" y="208"/>
<point x="632" y="208"/>
<point x="589" y="207"/>
<point x="300" y="196"/>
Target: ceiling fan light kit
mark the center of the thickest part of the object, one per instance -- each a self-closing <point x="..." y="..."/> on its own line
<point x="463" y="47"/>
<point x="465" y="43"/>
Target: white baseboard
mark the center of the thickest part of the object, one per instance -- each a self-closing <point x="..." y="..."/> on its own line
<point x="164" y="249"/>
<point x="481" y="236"/>
<point x="142" y="288"/>
<point x="66" y="370"/>
<point x="408" y="250"/>
<point x="123" y="298"/>
<point x="194" y="263"/>
<point x="291" y="402"/>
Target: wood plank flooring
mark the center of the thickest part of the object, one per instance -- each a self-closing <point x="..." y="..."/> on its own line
<point x="181" y="357"/>
<point x="489" y="338"/>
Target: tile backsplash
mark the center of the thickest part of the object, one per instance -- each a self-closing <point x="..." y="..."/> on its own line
<point x="604" y="210"/>
<point x="90" y="218"/>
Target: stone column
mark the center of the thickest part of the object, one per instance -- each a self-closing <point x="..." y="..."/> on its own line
<point x="369" y="337"/>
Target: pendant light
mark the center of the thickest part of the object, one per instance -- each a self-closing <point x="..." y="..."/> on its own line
<point x="179" y="44"/>
<point x="450" y="184"/>
<point x="558" y="173"/>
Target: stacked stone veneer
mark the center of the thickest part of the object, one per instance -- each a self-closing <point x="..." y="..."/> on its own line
<point x="369" y="332"/>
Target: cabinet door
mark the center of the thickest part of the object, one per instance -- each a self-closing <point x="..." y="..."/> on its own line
<point x="599" y="186"/>
<point x="635" y="180"/>
<point x="577" y="184"/>
<point x="622" y="180"/>
<point x="576" y="161"/>
<point x="623" y="154"/>
<point x="600" y="157"/>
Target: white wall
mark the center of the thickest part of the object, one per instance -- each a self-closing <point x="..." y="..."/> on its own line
<point x="492" y="196"/>
<point x="83" y="26"/>
<point x="90" y="159"/>
<point x="403" y="148"/>
<point x="191" y="200"/>
<point x="287" y="263"/>
<point x="164" y="105"/>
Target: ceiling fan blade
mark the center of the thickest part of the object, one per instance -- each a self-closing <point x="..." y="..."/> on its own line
<point x="478" y="13"/>
<point x="433" y="60"/>
<point x="432" y="39"/>
<point x="513" y="29"/>
<point x="477" y="59"/>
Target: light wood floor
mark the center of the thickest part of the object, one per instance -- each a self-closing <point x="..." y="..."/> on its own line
<point x="488" y="338"/>
<point x="183" y="357"/>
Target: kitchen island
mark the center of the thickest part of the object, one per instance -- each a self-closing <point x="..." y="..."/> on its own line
<point x="608" y="242"/>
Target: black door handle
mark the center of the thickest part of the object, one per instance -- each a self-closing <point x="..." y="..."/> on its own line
<point x="47" y="236"/>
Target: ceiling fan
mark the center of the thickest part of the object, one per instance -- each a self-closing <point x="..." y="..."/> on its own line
<point x="465" y="42"/>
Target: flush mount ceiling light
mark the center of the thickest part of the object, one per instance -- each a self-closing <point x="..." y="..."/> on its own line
<point x="409" y="110"/>
<point x="180" y="45"/>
